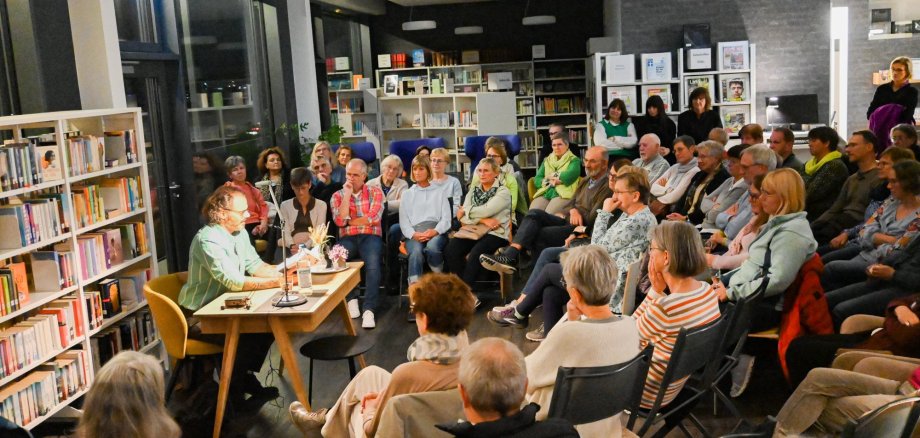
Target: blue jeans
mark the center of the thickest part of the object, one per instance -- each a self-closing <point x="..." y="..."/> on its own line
<point x="432" y="251"/>
<point x="369" y="248"/>
<point x="547" y="256"/>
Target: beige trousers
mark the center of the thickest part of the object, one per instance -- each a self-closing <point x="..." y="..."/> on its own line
<point x="552" y="206"/>
<point x="344" y="419"/>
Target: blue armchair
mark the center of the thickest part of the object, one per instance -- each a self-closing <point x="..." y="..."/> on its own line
<point x="366" y="151"/>
<point x="405" y="149"/>
<point x="474" y="147"/>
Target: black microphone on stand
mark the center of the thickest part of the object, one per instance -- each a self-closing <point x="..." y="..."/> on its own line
<point x="289" y="299"/>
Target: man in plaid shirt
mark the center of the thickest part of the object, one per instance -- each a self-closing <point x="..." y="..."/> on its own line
<point x="357" y="210"/>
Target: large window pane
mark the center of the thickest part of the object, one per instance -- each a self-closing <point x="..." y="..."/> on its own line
<point x="135" y="21"/>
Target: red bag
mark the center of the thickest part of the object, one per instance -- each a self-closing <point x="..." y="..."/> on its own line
<point x="805" y="309"/>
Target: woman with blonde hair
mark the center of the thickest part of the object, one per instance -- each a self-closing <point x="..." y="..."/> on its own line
<point x="898" y="90"/>
<point x="127" y="399"/>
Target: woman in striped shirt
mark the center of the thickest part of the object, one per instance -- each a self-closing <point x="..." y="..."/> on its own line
<point x="676" y="300"/>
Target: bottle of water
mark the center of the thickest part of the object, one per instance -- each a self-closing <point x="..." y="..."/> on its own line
<point x="304" y="279"/>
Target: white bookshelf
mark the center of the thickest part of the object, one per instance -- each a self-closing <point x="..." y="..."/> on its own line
<point x="357" y="115"/>
<point x="409" y="117"/>
<point x="92" y="122"/>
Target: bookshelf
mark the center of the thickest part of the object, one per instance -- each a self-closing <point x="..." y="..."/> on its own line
<point x="452" y="117"/>
<point x="335" y="82"/>
<point x="89" y="233"/>
<point x="634" y="89"/>
<point x="357" y="115"/>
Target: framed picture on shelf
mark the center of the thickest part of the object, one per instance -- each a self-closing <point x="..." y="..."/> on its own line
<point x="693" y="82"/>
<point x="391" y="85"/>
<point x="734" y="117"/>
<point x="734" y="55"/>
<point x="664" y="91"/>
<point x="734" y="87"/>
<point x="656" y="67"/>
<point x="626" y="94"/>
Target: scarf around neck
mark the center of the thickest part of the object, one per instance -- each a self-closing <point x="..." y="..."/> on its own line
<point x="684" y="168"/>
<point x="435" y="347"/>
<point x="481" y="196"/>
<point x="811" y="166"/>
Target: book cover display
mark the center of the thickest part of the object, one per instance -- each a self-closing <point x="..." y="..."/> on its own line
<point x="693" y="82"/>
<point x="734" y="118"/>
<point x="734" y="87"/>
<point x="734" y="55"/>
<point x="656" y="67"/>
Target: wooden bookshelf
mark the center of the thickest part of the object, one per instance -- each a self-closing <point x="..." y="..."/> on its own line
<point x="95" y="123"/>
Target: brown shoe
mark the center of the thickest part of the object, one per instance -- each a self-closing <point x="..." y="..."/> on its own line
<point x="305" y="420"/>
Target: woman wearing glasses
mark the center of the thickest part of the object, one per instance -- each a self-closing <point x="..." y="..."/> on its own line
<point x="495" y="149"/>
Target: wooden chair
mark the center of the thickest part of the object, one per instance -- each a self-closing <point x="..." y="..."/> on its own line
<point x="162" y="297"/>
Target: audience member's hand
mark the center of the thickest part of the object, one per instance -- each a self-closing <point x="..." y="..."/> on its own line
<point x="359" y="221"/>
<point x="323" y="176"/>
<point x="883" y="272"/>
<point x="460" y="213"/>
<point x="610" y="204"/>
<point x="568" y="240"/>
<point x="575" y="218"/>
<point x="720" y="291"/>
<point x="676" y="217"/>
<point x="906" y="316"/>
<point x="572" y="312"/>
<point x="492" y="223"/>
<point x="369" y="402"/>
<point x="717" y="239"/>
<point x="260" y="229"/>
<point x="348" y="188"/>
<point x="710" y="258"/>
<point x="663" y="151"/>
<point x="554" y="181"/>
<point x="294" y="249"/>
<point x="662" y="181"/>
<point x="839" y="241"/>
<point x="656" y="278"/>
<point x="879" y="239"/>
<point x="733" y="210"/>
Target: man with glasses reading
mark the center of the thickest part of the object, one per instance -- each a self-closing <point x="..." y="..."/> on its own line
<point x="540" y="229"/>
<point x="221" y="259"/>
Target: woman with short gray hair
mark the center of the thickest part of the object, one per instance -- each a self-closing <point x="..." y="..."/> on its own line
<point x="391" y="169"/>
<point x="589" y="335"/>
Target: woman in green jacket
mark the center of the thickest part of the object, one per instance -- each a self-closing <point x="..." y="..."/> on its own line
<point x="557" y="178"/>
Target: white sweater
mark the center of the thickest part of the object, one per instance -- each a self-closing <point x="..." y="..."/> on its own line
<point x="675" y="185"/>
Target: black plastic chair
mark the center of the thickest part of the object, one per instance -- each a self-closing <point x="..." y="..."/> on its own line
<point x="897" y="419"/>
<point x="695" y="349"/>
<point x="588" y="394"/>
<point x="336" y="347"/>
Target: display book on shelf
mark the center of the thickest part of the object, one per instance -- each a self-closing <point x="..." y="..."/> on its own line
<point x="452" y="117"/>
<point x="634" y="78"/>
<point x="336" y="81"/>
<point x="357" y="115"/>
<point x="76" y="250"/>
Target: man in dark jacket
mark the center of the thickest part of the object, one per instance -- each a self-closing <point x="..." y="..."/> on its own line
<point x="493" y="383"/>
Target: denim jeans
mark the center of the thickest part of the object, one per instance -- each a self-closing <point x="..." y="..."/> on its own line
<point x="367" y="247"/>
<point x="547" y="256"/>
<point x="432" y="251"/>
<point x="547" y="290"/>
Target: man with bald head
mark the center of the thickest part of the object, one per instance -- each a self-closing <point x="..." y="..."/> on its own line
<point x="539" y="229"/>
<point x="719" y="135"/>
<point x="650" y="158"/>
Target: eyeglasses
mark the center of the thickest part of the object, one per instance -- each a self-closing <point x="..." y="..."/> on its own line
<point x="245" y="213"/>
<point x="754" y="196"/>
<point x="766" y="193"/>
<point x="611" y="175"/>
<point x="492" y="156"/>
<point x="437" y="161"/>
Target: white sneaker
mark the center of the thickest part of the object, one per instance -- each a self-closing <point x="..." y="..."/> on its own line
<point x="367" y="320"/>
<point x="353" y="310"/>
<point x="741" y="374"/>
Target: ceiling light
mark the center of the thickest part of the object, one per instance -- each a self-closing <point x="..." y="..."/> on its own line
<point x="537" y="20"/>
<point x="419" y="25"/>
<point x="467" y="30"/>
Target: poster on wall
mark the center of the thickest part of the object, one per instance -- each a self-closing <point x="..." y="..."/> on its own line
<point x="626" y="94"/>
<point x="734" y="117"/>
<point x="693" y="82"/>
<point x="734" y="88"/>
<point x="734" y="55"/>
<point x="656" y="67"/>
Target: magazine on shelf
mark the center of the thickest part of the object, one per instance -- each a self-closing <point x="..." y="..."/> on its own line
<point x="734" y="87"/>
<point x="626" y="94"/>
<point x="734" y="117"/>
<point x="693" y="82"/>
<point x="734" y="55"/>
<point x="664" y="91"/>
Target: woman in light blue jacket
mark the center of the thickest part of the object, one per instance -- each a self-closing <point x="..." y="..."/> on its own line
<point x="424" y="219"/>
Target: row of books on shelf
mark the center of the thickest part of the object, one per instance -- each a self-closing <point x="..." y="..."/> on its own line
<point x="108" y="247"/>
<point x="351" y="105"/>
<point x="468" y="77"/>
<point x="105" y="199"/>
<point x="39" y="392"/>
<point x="131" y="333"/>
<point x="524" y="107"/>
<point x="451" y="119"/>
<point x="527" y="159"/>
<point x="561" y="105"/>
<point x="53" y="328"/>
<point x="525" y="123"/>
<point x="25" y="164"/>
<point x="90" y="153"/>
<point x="31" y="220"/>
<point x="112" y="295"/>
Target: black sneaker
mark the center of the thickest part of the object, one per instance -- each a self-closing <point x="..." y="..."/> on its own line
<point x="506" y="317"/>
<point x="498" y="263"/>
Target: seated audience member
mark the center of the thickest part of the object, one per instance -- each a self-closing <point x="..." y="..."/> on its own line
<point x="849" y="238"/>
<point x="540" y="229"/>
<point x="728" y="193"/>
<point x="829" y="399"/>
<point x="257" y="220"/>
<point x="449" y="185"/>
<point x="895" y="333"/>
<point x="848" y="209"/>
<point x="751" y="133"/>
<point x="390" y="183"/>
<point x="615" y="133"/>
<point x="127" y="399"/>
<point x="650" y="159"/>
<point x="589" y="335"/>
<point x="675" y="300"/>
<point x="885" y="258"/>
<point x="443" y="306"/>
<point x="495" y="149"/>
<point x="343" y="155"/>
<point x="221" y="259"/>
<point x="825" y="173"/>
<point x="655" y="121"/>
<point x="487" y="210"/>
<point x="323" y="185"/>
<point x="699" y="118"/>
<point x="357" y="210"/>
<point x="755" y="160"/>
<point x="905" y="136"/>
<point x="337" y="172"/>
<point x="738" y="248"/>
<point x="719" y="135"/>
<point x="209" y="173"/>
<point x="670" y="188"/>
<point x="782" y="141"/>
<point x="424" y="219"/>
<point x="625" y="240"/>
<point x="493" y="380"/>
<point x="302" y="212"/>
<point x="556" y="178"/>
<point x="704" y="183"/>
<point x="423" y="151"/>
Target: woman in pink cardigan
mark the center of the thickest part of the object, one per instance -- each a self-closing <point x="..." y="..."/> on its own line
<point x="738" y="248"/>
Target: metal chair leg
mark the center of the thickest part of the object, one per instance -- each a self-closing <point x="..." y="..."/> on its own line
<point x="310" y="390"/>
<point x="174" y="377"/>
<point x="352" y="368"/>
